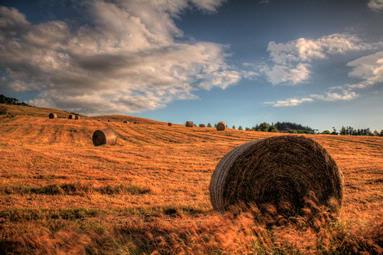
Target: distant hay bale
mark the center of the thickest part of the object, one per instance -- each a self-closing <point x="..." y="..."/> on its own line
<point x="77" y="117"/>
<point x="170" y="124"/>
<point x="70" y="116"/>
<point x="221" y="126"/>
<point x="189" y="123"/>
<point x="282" y="171"/>
<point x="209" y="125"/>
<point x="202" y="125"/>
<point x="52" y="115"/>
<point x="125" y="121"/>
<point x="104" y="136"/>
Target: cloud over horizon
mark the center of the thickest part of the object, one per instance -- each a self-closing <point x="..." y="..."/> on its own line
<point x="130" y="57"/>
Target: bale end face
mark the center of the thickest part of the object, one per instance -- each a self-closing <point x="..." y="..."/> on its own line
<point x="52" y="116"/>
<point x="284" y="172"/>
<point x="70" y="116"/>
<point x="76" y="117"/>
<point x="221" y="126"/>
<point x="105" y="136"/>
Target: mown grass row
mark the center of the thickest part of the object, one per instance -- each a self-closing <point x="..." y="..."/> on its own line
<point x="74" y="189"/>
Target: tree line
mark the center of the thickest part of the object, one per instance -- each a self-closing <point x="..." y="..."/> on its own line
<point x="11" y="100"/>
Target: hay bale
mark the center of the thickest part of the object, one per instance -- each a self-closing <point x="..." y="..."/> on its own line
<point x="104" y="136"/>
<point x="52" y="115"/>
<point x="280" y="171"/>
<point x="125" y="121"/>
<point x="77" y="117"/>
<point x="221" y="126"/>
<point x="189" y="123"/>
<point x="170" y="124"/>
<point x="70" y="116"/>
<point x="209" y="125"/>
<point x="202" y="125"/>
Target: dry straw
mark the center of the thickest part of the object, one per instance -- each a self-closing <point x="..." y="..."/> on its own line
<point x="189" y="123"/>
<point x="52" y="115"/>
<point x="282" y="171"/>
<point x="221" y="126"/>
<point x="104" y="136"/>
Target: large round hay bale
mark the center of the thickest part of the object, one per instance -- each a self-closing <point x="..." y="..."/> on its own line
<point x="70" y="116"/>
<point x="282" y="171"/>
<point x="104" y="136"/>
<point x="221" y="126"/>
<point x="52" y="115"/>
<point x="189" y="123"/>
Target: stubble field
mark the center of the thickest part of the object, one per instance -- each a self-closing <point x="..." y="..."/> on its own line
<point x="149" y="193"/>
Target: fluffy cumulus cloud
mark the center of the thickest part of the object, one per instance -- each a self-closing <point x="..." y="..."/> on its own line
<point x="290" y="62"/>
<point x="129" y="57"/>
<point x="376" y="5"/>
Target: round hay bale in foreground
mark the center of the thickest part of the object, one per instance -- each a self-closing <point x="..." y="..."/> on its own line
<point x="282" y="171"/>
<point x="221" y="126"/>
<point x="189" y="123"/>
<point x="52" y="115"/>
<point x="104" y="136"/>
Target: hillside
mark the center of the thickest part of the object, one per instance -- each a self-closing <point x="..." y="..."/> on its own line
<point x="59" y="193"/>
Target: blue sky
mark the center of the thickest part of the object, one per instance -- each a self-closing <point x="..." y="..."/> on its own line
<point x="318" y="63"/>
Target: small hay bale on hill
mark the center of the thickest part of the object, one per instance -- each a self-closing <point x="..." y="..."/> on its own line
<point x="281" y="171"/>
<point x="170" y="124"/>
<point x="125" y="121"/>
<point x="202" y="125"/>
<point x="209" y="125"/>
<point x="70" y="116"/>
<point x="77" y="117"/>
<point x="221" y="126"/>
<point x="189" y="124"/>
<point x="104" y="136"/>
<point x="52" y="115"/>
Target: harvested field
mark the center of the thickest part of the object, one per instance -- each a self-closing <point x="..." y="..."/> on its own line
<point x="150" y="191"/>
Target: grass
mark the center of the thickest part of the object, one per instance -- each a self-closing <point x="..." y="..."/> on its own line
<point x="74" y="189"/>
<point x="149" y="193"/>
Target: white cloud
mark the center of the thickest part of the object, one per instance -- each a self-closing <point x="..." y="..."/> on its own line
<point x="331" y="95"/>
<point x="368" y="69"/>
<point x="130" y="57"/>
<point x="376" y="5"/>
<point x="290" y="61"/>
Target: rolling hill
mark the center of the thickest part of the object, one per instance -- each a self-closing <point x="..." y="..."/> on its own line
<point x="149" y="192"/>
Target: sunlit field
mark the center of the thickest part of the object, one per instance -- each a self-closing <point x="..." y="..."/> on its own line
<point x="149" y="192"/>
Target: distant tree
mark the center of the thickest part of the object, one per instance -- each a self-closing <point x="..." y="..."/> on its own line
<point x="376" y="133"/>
<point x="209" y="125"/>
<point x="272" y="129"/>
<point x="247" y="129"/>
<point x="334" y="132"/>
<point x="240" y="128"/>
<point x="11" y="100"/>
<point x="264" y="126"/>
<point x="233" y="127"/>
<point x="381" y="132"/>
<point x="326" y="132"/>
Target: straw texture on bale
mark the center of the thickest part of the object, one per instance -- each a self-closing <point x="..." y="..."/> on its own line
<point x="104" y="136"/>
<point x="52" y="116"/>
<point x="282" y="171"/>
<point x="221" y="126"/>
<point x="189" y="123"/>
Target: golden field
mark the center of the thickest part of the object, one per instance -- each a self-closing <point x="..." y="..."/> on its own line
<point x="149" y="193"/>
